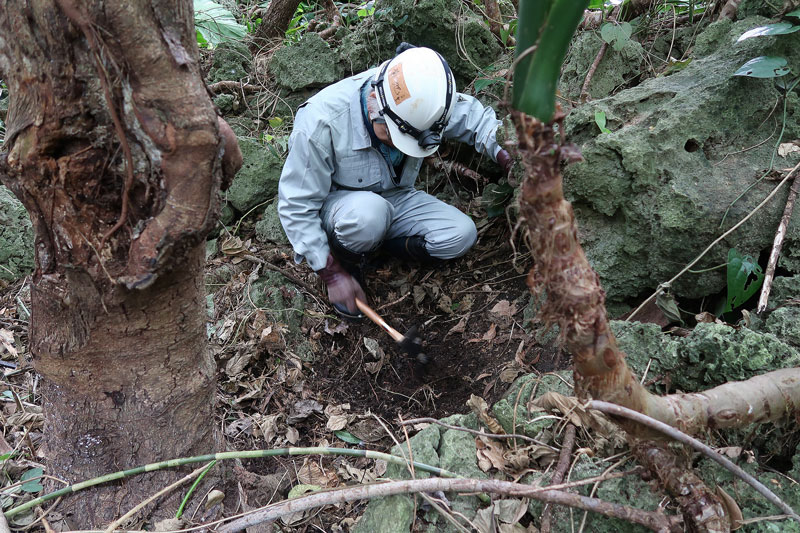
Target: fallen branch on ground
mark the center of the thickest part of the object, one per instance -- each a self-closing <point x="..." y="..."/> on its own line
<point x="232" y="87"/>
<point x="654" y="521"/>
<point x="558" y="475"/>
<point x="777" y="244"/>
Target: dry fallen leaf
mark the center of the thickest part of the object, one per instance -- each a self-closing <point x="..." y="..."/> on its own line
<point x="504" y="308"/>
<point x="7" y="340"/>
<point x="336" y="422"/>
<point x="267" y="426"/>
<point x="491" y="334"/>
<point x="311" y="473"/>
<point x="508" y="375"/>
<point x="460" y="327"/>
<point x="302" y="410"/>
<point x="731" y="508"/>
<point x="292" y="435"/>
<point x="490" y="454"/>
<point x="788" y="148"/>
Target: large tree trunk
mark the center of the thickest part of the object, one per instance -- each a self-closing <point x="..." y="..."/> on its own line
<point x="114" y="148"/>
<point x="276" y="20"/>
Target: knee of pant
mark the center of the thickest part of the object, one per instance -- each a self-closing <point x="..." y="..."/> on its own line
<point x="456" y="241"/>
<point x="365" y="226"/>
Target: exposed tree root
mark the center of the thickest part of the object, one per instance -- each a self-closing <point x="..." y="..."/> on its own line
<point x="459" y="169"/>
<point x="701" y="508"/>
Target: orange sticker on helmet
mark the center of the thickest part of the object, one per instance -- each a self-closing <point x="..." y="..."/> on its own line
<point x="397" y="84"/>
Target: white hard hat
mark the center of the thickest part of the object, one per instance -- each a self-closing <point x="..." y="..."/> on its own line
<point x="416" y="91"/>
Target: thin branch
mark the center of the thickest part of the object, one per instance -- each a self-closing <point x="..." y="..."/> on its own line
<point x="584" y="97"/>
<point x="294" y="279"/>
<point x="654" y="521"/>
<point x="618" y="410"/>
<point x="776" y="248"/>
<point x="232" y="87"/>
<point x="558" y="475"/>
<point x="473" y="431"/>
<point x="716" y="241"/>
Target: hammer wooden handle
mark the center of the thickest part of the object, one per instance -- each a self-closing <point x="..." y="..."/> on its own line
<point x="375" y="317"/>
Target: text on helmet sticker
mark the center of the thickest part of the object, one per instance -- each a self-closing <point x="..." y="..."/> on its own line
<point x="397" y="84"/>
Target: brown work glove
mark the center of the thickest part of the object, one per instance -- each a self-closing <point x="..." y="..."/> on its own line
<point x="343" y="289"/>
<point x="505" y="161"/>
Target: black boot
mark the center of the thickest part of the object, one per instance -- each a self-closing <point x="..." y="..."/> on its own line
<point x="410" y="250"/>
<point x="353" y="262"/>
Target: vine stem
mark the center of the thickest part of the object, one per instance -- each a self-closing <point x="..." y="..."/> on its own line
<point x="248" y="454"/>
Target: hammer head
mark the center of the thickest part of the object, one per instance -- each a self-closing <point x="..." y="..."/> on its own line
<point x="411" y="343"/>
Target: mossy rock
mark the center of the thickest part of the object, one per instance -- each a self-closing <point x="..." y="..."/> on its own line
<point x="651" y="194"/>
<point x="16" y="238"/>
<point x="310" y="62"/>
<point x="269" y="228"/>
<point x="232" y="60"/>
<point x="257" y="180"/>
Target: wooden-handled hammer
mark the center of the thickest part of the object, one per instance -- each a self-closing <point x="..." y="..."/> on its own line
<point x="410" y="343"/>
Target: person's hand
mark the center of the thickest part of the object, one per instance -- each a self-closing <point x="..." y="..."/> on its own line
<point x="505" y="161"/>
<point x="343" y="289"/>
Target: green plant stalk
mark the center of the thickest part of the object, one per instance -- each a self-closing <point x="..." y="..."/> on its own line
<point x="247" y="454"/>
<point x="194" y="486"/>
<point x="535" y="79"/>
<point x="772" y="160"/>
<point x="531" y="17"/>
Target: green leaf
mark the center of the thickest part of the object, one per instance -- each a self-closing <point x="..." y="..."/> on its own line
<point x="299" y="490"/>
<point x="348" y="437"/>
<point x="399" y="21"/>
<point x="666" y="302"/>
<point x="616" y="34"/>
<point x="745" y="277"/>
<point x="764" y="67"/>
<point x="482" y="83"/>
<point x="275" y="122"/>
<point x="495" y="198"/>
<point x="32" y="486"/>
<point x="779" y="28"/>
<point x="216" y="24"/>
<point x="795" y="13"/>
<point x="600" y="120"/>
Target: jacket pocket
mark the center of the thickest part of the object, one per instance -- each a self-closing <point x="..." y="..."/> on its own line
<point x="356" y="172"/>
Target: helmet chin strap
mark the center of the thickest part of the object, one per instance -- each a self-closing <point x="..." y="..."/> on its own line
<point x="427" y="138"/>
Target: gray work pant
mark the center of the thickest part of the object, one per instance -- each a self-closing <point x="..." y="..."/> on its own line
<point x="362" y="220"/>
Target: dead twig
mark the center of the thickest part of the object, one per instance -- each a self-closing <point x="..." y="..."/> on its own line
<point x="675" y="434"/>
<point x="654" y="521"/>
<point x="294" y="279"/>
<point x="558" y="475"/>
<point x="584" y="97"/>
<point x="459" y="169"/>
<point x="233" y="87"/>
<point x="473" y="431"/>
<point x="776" y="248"/>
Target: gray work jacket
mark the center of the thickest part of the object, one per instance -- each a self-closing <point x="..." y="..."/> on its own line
<point x="330" y="149"/>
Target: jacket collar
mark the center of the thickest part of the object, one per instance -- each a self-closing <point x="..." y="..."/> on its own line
<point x="361" y="138"/>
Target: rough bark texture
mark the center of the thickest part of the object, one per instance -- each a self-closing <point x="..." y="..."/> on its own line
<point x="114" y="148"/>
<point x="276" y="20"/>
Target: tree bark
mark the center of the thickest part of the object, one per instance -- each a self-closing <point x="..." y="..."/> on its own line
<point x="114" y="148"/>
<point x="276" y="20"/>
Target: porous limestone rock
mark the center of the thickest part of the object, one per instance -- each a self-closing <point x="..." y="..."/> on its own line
<point x="257" y="180"/>
<point x="232" y="61"/>
<point x="310" y="62"/>
<point x="269" y="228"/>
<point x="651" y="195"/>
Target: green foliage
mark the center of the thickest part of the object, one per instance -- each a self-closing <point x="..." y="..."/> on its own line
<point x="767" y="66"/>
<point x="616" y="34"/>
<point x="31" y="480"/>
<point x="764" y="67"/>
<point x="215" y="24"/>
<point x="348" y="437"/>
<point x="548" y="25"/>
<point x="600" y="120"/>
<point x="745" y="277"/>
<point x="495" y="198"/>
